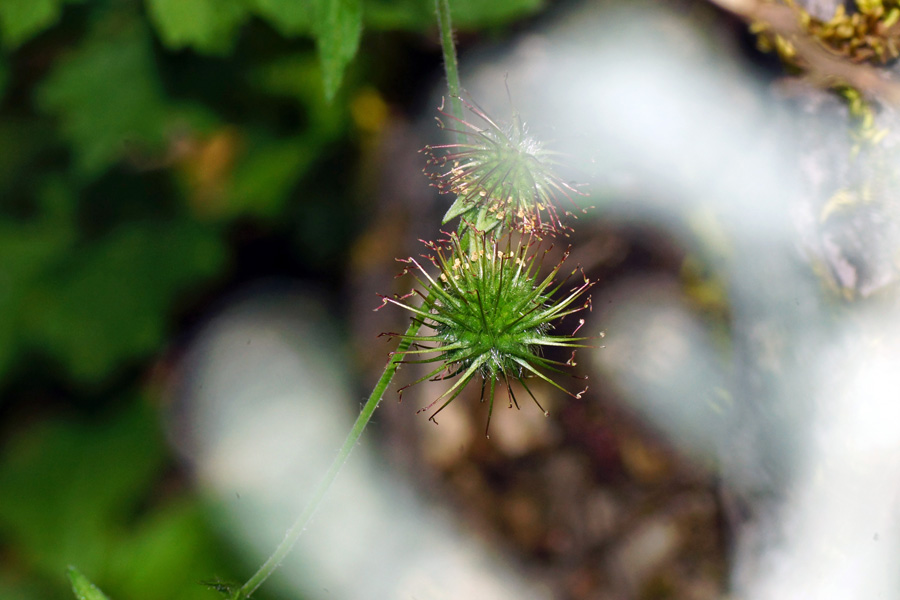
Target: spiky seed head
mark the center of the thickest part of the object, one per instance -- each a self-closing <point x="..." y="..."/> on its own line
<point x="488" y="312"/>
<point x="501" y="176"/>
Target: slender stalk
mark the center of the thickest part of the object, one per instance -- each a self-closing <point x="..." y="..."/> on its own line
<point x="293" y="534"/>
<point x="451" y="65"/>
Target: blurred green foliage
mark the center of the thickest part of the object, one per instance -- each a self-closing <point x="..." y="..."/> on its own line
<point x="83" y="588"/>
<point x="74" y="493"/>
<point x="136" y="137"/>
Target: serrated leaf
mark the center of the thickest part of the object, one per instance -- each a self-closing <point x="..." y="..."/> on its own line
<point x="20" y="20"/>
<point x="338" y="29"/>
<point x="288" y="16"/>
<point x="205" y="25"/>
<point x="107" y="98"/>
<point x="459" y="207"/>
<point x="82" y="587"/>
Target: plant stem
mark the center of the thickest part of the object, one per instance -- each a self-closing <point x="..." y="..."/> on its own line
<point x="451" y="65"/>
<point x="293" y="534"/>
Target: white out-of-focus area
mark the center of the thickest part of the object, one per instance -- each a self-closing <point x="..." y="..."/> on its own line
<point x="839" y="522"/>
<point x="263" y="403"/>
<point x="797" y="402"/>
<point x="657" y="354"/>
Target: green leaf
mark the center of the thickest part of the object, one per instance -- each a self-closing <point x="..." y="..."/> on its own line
<point x="30" y="138"/>
<point x="107" y="98"/>
<point x="20" y="20"/>
<point x="166" y="553"/>
<point x="478" y="13"/>
<point x="108" y="302"/>
<point x="466" y="14"/>
<point x="85" y="493"/>
<point x="28" y="250"/>
<point x="262" y="182"/>
<point x="65" y="485"/>
<point x="485" y="220"/>
<point x="208" y="26"/>
<point x="82" y="587"/>
<point x="299" y="77"/>
<point x="338" y="28"/>
<point x="400" y="14"/>
<point x="289" y="17"/>
<point x="460" y="206"/>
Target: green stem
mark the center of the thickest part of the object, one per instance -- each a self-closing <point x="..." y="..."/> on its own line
<point x="451" y="65"/>
<point x="451" y="68"/>
<point x="293" y="534"/>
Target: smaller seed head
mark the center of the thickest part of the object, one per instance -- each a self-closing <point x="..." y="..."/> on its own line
<point x="501" y="176"/>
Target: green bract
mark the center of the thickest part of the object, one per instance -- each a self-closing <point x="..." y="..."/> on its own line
<point x="502" y="177"/>
<point x="490" y="314"/>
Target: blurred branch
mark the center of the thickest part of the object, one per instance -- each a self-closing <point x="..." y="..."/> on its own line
<point x="823" y="68"/>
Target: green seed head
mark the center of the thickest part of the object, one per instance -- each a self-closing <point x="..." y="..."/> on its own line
<point x="490" y="314"/>
<point x="502" y="177"/>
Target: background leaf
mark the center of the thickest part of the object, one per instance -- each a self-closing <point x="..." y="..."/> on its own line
<point x="78" y="493"/>
<point x="338" y="30"/>
<point x="114" y="65"/>
<point x="83" y="588"/>
<point x="20" y="20"/>
<point x="288" y="16"/>
<point x="28" y="251"/>
<point x="104" y="304"/>
<point x="205" y="25"/>
<point x="477" y="13"/>
<point x="466" y="14"/>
